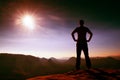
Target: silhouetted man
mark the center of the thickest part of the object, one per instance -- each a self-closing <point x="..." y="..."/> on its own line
<point x="82" y="43"/>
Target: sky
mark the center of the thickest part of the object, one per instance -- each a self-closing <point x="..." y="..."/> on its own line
<point x="54" y="22"/>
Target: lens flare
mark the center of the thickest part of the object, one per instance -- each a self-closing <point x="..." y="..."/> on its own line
<point x="28" y="21"/>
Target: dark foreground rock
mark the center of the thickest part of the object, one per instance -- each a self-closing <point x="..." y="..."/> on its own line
<point x="92" y="74"/>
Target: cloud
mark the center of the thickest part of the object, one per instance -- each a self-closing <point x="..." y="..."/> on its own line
<point x="55" y="17"/>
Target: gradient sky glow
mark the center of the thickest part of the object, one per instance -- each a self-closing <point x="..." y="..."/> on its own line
<point x="55" y="20"/>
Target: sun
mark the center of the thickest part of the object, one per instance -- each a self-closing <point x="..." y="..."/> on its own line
<point x="28" y="21"/>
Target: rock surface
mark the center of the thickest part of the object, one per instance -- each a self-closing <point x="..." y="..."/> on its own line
<point x="92" y="74"/>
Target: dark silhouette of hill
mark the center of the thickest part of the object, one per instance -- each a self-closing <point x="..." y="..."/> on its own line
<point x="106" y="62"/>
<point x="17" y="66"/>
<point x="20" y="67"/>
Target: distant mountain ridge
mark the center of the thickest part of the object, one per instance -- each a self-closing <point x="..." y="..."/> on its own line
<point x="24" y="66"/>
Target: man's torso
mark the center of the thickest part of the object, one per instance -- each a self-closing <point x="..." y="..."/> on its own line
<point x="81" y="31"/>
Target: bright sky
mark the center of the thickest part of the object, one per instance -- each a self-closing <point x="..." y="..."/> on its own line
<point x="46" y="31"/>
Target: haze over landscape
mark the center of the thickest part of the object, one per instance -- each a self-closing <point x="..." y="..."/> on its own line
<point x="54" y="22"/>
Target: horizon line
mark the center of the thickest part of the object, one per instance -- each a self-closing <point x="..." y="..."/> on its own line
<point x="60" y="57"/>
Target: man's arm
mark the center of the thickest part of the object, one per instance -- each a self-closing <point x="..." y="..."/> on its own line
<point x="73" y="36"/>
<point x="91" y="34"/>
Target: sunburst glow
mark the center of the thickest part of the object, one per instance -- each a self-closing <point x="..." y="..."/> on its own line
<point x="28" y="21"/>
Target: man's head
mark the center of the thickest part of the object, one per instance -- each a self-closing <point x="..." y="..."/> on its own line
<point x="81" y="22"/>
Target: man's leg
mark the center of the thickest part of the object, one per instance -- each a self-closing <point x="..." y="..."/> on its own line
<point x="78" y="57"/>
<point x="88" y="62"/>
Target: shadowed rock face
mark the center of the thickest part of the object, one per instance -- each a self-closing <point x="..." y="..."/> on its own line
<point x="92" y="74"/>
